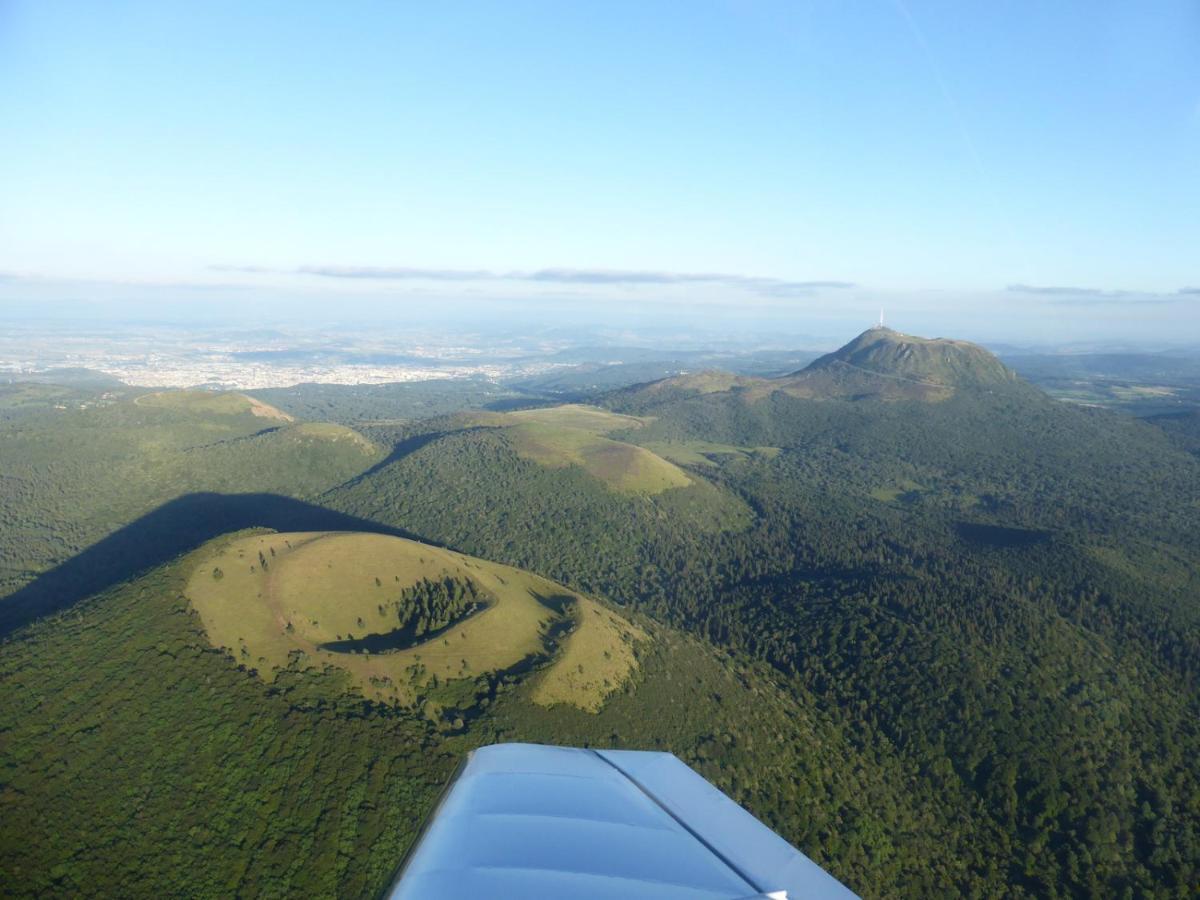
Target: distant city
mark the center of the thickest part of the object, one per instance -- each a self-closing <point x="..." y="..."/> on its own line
<point x="183" y="356"/>
<point x="551" y="362"/>
<point x="175" y="358"/>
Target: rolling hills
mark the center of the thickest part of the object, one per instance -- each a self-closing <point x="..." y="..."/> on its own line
<point x="569" y="435"/>
<point x="938" y="629"/>
<point x="138" y="759"/>
<point x="579" y="436"/>
<point x="992" y="587"/>
<point x="879" y="364"/>
<point x="73" y="476"/>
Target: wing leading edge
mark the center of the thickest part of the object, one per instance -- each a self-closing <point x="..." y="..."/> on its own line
<point x="530" y="821"/>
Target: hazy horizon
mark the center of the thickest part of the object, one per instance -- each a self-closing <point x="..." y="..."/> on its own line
<point x="1016" y="174"/>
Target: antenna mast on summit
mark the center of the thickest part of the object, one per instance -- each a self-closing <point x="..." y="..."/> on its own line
<point x="881" y="317"/>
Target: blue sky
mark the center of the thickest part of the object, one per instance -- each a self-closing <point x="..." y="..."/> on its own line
<point x="999" y="165"/>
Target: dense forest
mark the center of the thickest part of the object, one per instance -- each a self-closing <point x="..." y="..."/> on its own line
<point x="356" y="404"/>
<point x="946" y="648"/>
<point x="73" y="476"/>
<point x="998" y="590"/>
<point x="212" y="783"/>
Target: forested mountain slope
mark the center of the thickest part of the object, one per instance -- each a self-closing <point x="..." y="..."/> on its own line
<point x="879" y="364"/>
<point x="997" y="588"/>
<point x="70" y="477"/>
<point x="944" y="636"/>
<point x="1182" y="427"/>
<point x="137" y="759"/>
<point x="886" y="352"/>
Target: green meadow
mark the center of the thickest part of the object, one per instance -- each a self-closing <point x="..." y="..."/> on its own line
<point x="576" y="435"/>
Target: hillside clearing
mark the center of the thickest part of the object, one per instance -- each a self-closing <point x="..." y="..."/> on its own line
<point x="574" y="435"/>
<point x="217" y="402"/>
<point x="707" y="453"/>
<point x="626" y="468"/>
<point x="576" y="415"/>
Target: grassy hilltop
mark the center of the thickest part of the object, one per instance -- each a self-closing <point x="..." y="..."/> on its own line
<point x="214" y="402"/>
<point x="575" y="435"/>
<point x="398" y="617"/>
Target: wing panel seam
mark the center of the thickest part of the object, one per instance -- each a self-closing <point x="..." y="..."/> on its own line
<point x="733" y="867"/>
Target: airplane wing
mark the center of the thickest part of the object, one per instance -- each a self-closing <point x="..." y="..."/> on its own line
<point x="529" y="821"/>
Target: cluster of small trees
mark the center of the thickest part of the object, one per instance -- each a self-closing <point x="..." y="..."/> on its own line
<point x="430" y="605"/>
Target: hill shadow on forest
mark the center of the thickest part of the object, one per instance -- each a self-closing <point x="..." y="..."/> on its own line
<point x="159" y="536"/>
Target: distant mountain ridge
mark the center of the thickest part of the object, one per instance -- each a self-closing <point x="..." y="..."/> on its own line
<point x="879" y="364"/>
<point x="939" y="361"/>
